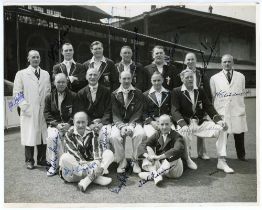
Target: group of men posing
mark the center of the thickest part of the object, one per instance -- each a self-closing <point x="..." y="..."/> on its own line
<point x="95" y="108"/>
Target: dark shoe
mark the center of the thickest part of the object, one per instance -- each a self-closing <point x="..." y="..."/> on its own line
<point x="243" y="159"/>
<point x="43" y="163"/>
<point x="30" y="165"/>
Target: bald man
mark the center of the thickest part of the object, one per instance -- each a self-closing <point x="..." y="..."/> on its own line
<point x="164" y="153"/>
<point x="127" y="109"/>
<point x="58" y="113"/>
<point x="83" y="163"/>
<point x="95" y="101"/>
<point x="228" y="91"/>
<point x="33" y="83"/>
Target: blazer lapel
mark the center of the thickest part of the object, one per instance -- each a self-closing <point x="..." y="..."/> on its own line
<point x="63" y="69"/>
<point x="120" y="98"/>
<point x="196" y="93"/>
<point x="31" y="74"/>
<point x="72" y="69"/>
<point x="198" y="78"/>
<point x="161" y="141"/>
<point x="102" y="69"/>
<point x="168" y="139"/>
<point x="88" y="94"/>
<point x="164" y="97"/>
<point x="98" y="95"/>
<point x="186" y="94"/>
<point x="120" y="67"/>
<point x="130" y="97"/>
<point x="133" y="68"/>
<point x="152" y="97"/>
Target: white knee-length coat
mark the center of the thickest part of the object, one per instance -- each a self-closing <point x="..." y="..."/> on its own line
<point x="32" y="120"/>
<point x="229" y="100"/>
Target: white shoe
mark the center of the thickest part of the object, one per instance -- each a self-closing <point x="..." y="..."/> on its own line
<point x="83" y="184"/>
<point x="222" y="165"/>
<point x="102" y="180"/>
<point x="136" y="168"/>
<point x="122" y="166"/>
<point x="146" y="176"/>
<point x="191" y="164"/>
<point x="204" y="156"/>
<point x="105" y="171"/>
<point x="158" y="179"/>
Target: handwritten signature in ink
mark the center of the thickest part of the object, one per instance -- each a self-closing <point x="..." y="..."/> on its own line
<point x="224" y="94"/>
<point x="122" y="178"/>
<point x="16" y="101"/>
<point x="153" y="176"/>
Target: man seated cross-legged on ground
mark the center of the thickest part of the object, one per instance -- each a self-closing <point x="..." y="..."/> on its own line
<point x="164" y="153"/>
<point x="82" y="161"/>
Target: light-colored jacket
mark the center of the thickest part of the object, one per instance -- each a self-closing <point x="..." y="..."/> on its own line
<point x="32" y="120"/>
<point x="229" y="100"/>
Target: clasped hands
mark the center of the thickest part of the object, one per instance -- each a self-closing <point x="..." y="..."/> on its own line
<point x="63" y="127"/>
<point x="127" y="130"/>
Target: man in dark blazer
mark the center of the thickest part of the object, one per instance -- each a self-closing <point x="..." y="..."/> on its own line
<point x="58" y="114"/>
<point x="169" y="72"/>
<point x="157" y="103"/>
<point x="189" y="106"/>
<point x="127" y="110"/>
<point x="140" y="77"/>
<point x="200" y="80"/>
<point x="95" y="101"/>
<point x="107" y="72"/>
<point x="74" y="71"/>
<point x="164" y="153"/>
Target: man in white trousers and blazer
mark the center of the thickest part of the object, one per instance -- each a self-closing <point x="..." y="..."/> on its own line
<point x="228" y="89"/>
<point x="34" y="83"/>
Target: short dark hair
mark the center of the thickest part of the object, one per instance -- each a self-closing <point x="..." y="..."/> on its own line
<point x="95" y="43"/>
<point x="67" y="43"/>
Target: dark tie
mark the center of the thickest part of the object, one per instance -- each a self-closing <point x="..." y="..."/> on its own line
<point x="37" y="74"/>
<point x="229" y="76"/>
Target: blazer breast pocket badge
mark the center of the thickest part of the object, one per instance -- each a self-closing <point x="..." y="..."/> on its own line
<point x="69" y="109"/>
<point x="200" y="104"/>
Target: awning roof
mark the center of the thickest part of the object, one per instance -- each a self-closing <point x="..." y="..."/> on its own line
<point x="98" y="27"/>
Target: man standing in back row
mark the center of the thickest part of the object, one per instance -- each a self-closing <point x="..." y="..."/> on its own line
<point x="169" y="72"/>
<point x="106" y="67"/>
<point x="228" y="89"/>
<point x="74" y="71"/>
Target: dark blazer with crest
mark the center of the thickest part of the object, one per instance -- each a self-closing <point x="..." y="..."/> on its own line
<point x="51" y="112"/>
<point x="182" y="111"/>
<point x="153" y="109"/>
<point x="100" y="108"/>
<point x="108" y="73"/>
<point x="140" y="77"/>
<point x="76" y="70"/>
<point x="130" y="114"/>
<point x="170" y="74"/>
<point x="173" y="147"/>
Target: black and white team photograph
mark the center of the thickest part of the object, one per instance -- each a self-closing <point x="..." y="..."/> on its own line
<point x="130" y="104"/>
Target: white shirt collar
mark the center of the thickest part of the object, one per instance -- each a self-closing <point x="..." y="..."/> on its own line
<point x="225" y="71"/>
<point x="121" y="89"/>
<point x="71" y="61"/>
<point x="126" y="64"/>
<point x="184" y="88"/>
<point x="164" y="64"/>
<point x="87" y="130"/>
<point x="152" y="90"/>
<point x="93" y="59"/>
<point x="33" y="69"/>
<point x="91" y="87"/>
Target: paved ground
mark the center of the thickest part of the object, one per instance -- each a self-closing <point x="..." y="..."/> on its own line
<point x="202" y="186"/>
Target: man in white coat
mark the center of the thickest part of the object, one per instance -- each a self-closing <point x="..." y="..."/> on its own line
<point x="33" y="83"/>
<point x="228" y="89"/>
